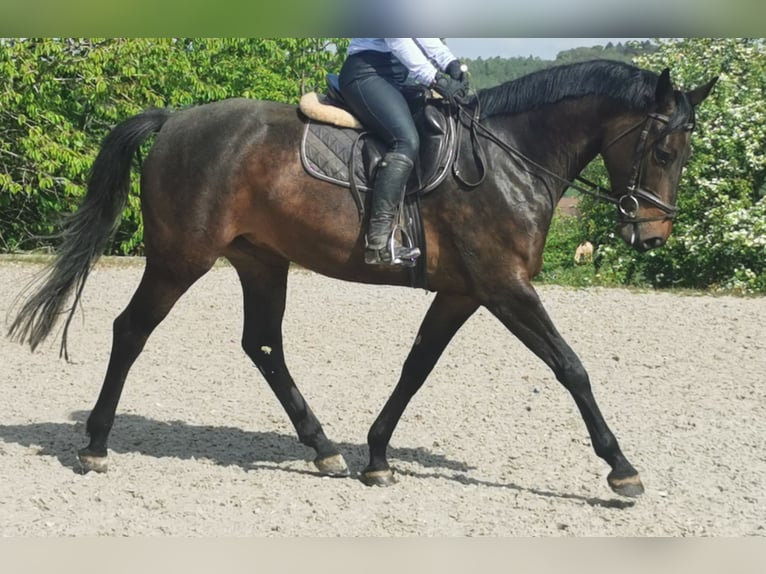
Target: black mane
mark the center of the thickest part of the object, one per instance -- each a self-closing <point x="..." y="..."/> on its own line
<point x="628" y="84"/>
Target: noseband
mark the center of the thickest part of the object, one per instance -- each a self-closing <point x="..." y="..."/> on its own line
<point x="627" y="204"/>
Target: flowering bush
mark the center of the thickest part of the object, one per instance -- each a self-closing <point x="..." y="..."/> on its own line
<point x="719" y="237"/>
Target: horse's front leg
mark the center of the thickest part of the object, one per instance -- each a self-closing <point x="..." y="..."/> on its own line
<point x="443" y="319"/>
<point x="520" y="309"/>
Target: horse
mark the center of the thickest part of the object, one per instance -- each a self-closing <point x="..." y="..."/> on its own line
<point x="584" y="252"/>
<point x="224" y="180"/>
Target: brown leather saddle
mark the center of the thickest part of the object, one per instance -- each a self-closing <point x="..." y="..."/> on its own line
<point x="348" y="156"/>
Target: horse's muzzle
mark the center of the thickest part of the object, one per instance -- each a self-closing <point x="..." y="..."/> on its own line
<point x="644" y="236"/>
<point x="651" y="243"/>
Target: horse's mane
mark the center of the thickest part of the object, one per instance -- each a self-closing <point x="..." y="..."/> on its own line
<point x="632" y="86"/>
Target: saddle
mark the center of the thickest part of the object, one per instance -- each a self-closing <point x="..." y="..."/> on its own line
<point x="336" y="148"/>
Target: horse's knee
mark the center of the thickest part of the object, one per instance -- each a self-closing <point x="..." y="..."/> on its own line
<point x="573" y="376"/>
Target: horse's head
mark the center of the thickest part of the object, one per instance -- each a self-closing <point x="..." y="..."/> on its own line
<point x="644" y="155"/>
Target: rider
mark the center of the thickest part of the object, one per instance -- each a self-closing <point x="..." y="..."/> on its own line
<point x="370" y="81"/>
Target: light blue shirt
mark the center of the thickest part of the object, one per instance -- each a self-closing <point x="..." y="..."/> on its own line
<point x="423" y="57"/>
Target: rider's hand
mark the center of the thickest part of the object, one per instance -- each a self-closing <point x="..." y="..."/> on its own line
<point x="449" y="88"/>
<point x="456" y="71"/>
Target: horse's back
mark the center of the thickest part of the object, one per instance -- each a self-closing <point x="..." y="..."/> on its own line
<point x="227" y="119"/>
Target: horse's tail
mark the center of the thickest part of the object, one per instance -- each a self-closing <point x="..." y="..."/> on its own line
<point x="85" y="233"/>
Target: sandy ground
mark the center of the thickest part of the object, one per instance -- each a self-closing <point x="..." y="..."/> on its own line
<point x="491" y="446"/>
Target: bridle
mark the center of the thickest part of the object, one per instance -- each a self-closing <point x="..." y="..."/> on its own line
<point x="627" y="204"/>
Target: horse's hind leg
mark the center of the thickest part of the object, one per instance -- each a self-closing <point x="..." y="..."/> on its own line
<point x="158" y="291"/>
<point x="264" y="288"/>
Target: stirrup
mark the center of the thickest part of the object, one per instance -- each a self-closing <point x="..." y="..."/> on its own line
<point x="393" y="254"/>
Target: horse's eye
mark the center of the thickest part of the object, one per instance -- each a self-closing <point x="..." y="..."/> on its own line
<point x="663" y="156"/>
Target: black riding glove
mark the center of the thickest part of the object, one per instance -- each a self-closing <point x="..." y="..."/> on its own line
<point x="449" y="88"/>
<point x="456" y="72"/>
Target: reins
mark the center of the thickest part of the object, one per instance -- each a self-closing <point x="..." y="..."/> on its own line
<point x="627" y="204"/>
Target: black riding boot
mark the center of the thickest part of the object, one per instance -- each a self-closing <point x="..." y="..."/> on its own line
<point x="390" y="184"/>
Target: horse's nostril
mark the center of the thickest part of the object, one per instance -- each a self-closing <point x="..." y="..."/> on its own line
<point x="652" y="243"/>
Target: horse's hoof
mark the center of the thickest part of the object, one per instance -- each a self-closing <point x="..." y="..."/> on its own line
<point x="378" y="477"/>
<point x="627" y="486"/>
<point x="334" y="465"/>
<point x="91" y="462"/>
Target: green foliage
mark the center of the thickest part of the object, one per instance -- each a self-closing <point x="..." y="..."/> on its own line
<point x="564" y="236"/>
<point x="59" y="98"/>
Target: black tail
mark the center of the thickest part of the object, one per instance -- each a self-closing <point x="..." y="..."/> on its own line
<point x="86" y="232"/>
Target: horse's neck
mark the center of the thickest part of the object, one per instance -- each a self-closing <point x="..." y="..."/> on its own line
<point x="563" y="137"/>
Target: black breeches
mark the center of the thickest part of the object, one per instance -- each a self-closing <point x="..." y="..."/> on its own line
<point x="369" y="82"/>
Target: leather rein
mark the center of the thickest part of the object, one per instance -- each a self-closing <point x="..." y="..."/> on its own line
<point x="627" y="204"/>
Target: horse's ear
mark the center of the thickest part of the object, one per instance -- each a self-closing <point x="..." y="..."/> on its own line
<point x="698" y="94"/>
<point x="664" y="92"/>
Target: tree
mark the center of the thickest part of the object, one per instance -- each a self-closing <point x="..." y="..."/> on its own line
<point x="59" y="97"/>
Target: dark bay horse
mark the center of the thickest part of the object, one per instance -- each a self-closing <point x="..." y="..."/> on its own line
<point x="225" y="180"/>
